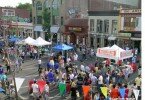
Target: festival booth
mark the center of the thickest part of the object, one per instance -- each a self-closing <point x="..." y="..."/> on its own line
<point x="28" y="41"/>
<point x="62" y="47"/>
<point x="114" y="52"/>
<point x="40" y="42"/>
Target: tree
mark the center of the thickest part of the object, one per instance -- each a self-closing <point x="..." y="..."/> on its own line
<point x="46" y="23"/>
<point x="26" y="6"/>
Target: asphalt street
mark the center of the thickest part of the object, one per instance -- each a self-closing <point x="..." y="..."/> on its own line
<point x="29" y="72"/>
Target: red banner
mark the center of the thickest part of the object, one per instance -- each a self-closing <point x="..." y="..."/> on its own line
<point x="111" y="53"/>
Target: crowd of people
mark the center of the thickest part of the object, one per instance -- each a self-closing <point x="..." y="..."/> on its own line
<point x="95" y="75"/>
<point x="64" y="70"/>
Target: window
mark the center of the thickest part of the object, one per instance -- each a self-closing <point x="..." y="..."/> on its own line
<point x="106" y="26"/>
<point x="34" y="20"/>
<point x="39" y="19"/>
<point x="61" y="20"/>
<point x="130" y="23"/>
<point x="33" y="2"/>
<point x="91" y="24"/>
<point x="114" y="26"/>
<point x="39" y="5"/>
<point x="99" y="26"/>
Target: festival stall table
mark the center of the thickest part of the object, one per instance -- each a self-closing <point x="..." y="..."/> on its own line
<point x="114" y="52"/>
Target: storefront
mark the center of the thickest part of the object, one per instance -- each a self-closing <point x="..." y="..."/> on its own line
<point x="124" y="40"/>
<point x="76" y="31"/>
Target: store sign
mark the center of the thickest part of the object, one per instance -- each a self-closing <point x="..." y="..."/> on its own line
<point x="131" y="11"/>
<point x="126" y="54"/>
<point x="110" y="53"/>
<point x="124" y="34"/>
<point x="76" y="29"/>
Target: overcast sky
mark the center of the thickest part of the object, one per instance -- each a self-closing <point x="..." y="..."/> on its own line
<point x="13" y="3"/>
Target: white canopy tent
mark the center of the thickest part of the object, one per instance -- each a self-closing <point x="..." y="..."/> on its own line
<point x="114" y="52"/>
<point x="28" y="40"/>
<point x="40" y="42"/>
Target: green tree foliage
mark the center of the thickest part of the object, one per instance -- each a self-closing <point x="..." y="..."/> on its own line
<point x="26" y="6"/>
<point x="46" y="22"/>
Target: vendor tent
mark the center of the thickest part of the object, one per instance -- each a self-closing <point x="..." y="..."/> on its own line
<point x="14" y="39"/>
<point x="62" y="47"/>
<point x="40" y="42"/>
<point x="28" y="40"/>
<point x="114" y="52"/>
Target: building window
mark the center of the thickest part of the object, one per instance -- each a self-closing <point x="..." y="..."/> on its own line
<point x="39" y="19"/>
<point x="34" y="20"/>
<point x="99" y="26"/>
<point x="91" y="24"/>
<point x="114" y="26"/>
<point x="61" y="20"/>
<point x="39" y="5"/>
<point x="106" y="26"/>
<point x="130" y="23"/>
<point x="33" y="2"/>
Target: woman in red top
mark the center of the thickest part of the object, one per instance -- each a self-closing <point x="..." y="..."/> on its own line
<point x="126" y="92"/>
<point x="114" y="92"/>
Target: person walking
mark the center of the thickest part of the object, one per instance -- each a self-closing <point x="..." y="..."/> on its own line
<point x="39" y="66"/>
<point x="138" y="82"/>
<point x="114" y="92"/>
<point x="36" y="90"/>
<point x="80" y="82"/>
<point x="73" y="91"/>
<point x="46" y="91"/>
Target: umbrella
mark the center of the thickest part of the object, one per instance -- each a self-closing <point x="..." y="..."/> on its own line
<point x="14" y="39"/>
<point x="2" y="90"/>
<point x="62" y="47"/>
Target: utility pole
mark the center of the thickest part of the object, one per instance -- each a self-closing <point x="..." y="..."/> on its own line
<point x="51" y="18"/>
<point x="7" y="55"/>
<point x="16" y="93"/>
<point x="51" y="22"/>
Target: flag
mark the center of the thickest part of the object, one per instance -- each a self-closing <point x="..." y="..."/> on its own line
<point x="86" y="90"/>
<point x="122" y="92"/>
<point x="19" y="82"/>
<point x="104" y="91"/>
<point x="41" y="85"/>
<point x="136" y="93"/>
<point x="62" y="88"/>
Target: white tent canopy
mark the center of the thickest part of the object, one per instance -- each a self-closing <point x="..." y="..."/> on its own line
<point x="114" y="52"/>
<point x="40" y="42"/>
<point x="28" y="40"/>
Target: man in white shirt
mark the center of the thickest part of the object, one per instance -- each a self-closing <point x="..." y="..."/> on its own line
<point x="71" y="76"/>
<point x="75" y="57"/>
<point x="46" y="91"/>
<point x="83" y="68"/>
<point x="100" y="81"/>
<point x="35" y="88"/>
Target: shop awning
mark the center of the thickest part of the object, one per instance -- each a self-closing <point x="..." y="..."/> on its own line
<point x="136" y="39"/>
<point x="54" y="29"/>
<point x="38" y="28"/>
<point x="111" y="38"/>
